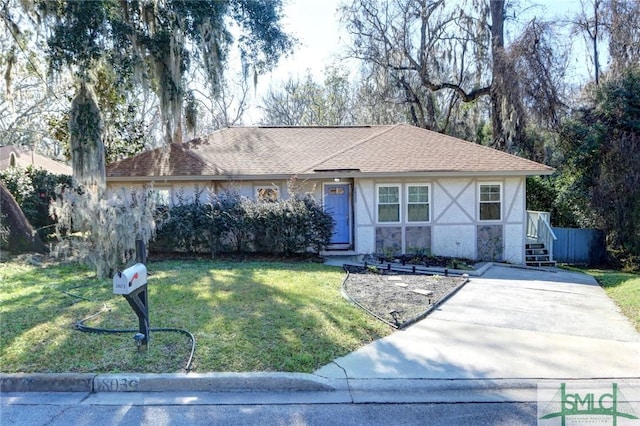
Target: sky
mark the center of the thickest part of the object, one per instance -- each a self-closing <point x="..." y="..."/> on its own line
<point x="315" y="23"/>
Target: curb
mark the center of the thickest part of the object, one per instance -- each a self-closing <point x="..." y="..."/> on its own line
<point x="44" y="382"/>
<point x="190" y="382"/>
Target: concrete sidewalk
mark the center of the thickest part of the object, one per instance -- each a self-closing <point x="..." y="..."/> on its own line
<point x="512" y="323"/>
<point x="497" y="338"/>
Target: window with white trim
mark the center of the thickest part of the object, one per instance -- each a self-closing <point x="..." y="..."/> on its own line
<point x="267" y="193"/>
<point x="490" y="207"/>
<point x="388" y="200"/>
<point x="417" y="203"/>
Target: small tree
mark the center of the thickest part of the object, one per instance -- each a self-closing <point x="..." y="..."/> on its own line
<point x="105" y="229"/>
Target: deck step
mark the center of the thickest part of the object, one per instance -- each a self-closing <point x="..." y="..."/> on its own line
<point x="531" y="258"/>
<point x="537" y="255"/>
<point x="537" y="252"/>
<point x="548" y="263"/>
<point x="534" y="246"/>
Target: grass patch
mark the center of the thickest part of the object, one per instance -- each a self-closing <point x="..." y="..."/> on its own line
<point x="623" y="288"/>
<point x="250" y="316"/>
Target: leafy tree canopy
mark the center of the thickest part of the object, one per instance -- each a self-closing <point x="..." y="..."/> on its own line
<point x="156" y="42"/>
<point x="601" y="146"/>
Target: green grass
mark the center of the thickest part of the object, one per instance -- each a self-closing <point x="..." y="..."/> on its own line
<point x="249" y="316"/>
<point x="623" y="288"/>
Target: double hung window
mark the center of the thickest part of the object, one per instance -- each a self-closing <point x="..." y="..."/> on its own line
<point x="417" y="203"/>
<point x="388" y="203"/>
<point x="490" y="201"/>
<point x="409" y="203"/>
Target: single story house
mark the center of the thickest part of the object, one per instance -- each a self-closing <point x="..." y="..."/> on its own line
<point x="392" y="189"/>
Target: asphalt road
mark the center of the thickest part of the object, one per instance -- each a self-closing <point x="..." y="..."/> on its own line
<point x="64" y="409"/>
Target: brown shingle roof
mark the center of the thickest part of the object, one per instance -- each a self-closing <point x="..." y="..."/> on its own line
<point x="267" y="151"/>
<point x="174" y="160"/>
<point x="15" y="156"/>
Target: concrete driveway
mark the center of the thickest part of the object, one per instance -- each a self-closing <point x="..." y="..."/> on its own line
<point x="511" y="323"/>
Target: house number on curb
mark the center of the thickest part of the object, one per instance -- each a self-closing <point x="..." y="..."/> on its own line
<point x="117" y="384"/>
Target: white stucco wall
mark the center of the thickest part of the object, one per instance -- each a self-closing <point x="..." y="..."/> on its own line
<point x="454" y="241"/>
<point x="365" y="203"/>
<point x="364" y="214"/>
<point x="187" y="189"/>
<point x="514" y="241"/>
<point x="453" y="210"/>
<point x="176" y="190"/>
<point x="453" y="201"/>
<point x="515" y="216"/>
<point x="454" y="215"/>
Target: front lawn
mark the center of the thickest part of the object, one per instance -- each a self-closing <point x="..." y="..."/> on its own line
<point x="623" y="288"/>
<point x="248" y="316"/>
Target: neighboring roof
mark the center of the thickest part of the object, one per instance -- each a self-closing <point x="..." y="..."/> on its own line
<point x="255" y="152"/>
<point x="16" y="156"/>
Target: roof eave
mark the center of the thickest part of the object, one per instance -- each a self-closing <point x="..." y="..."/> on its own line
<point x="440" y="173"/>
<point x="219" y="178"/>
<point x="332" y="175"/>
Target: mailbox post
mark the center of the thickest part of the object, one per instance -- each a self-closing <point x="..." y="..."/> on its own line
<point x="132" y="284"/>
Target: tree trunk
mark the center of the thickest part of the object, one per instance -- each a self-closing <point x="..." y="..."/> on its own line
<point x="507" y="118"/>
<point x="85" y="136"/>
<point x="22" y="238"/>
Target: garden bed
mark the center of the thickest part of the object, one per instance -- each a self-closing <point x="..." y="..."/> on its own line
<point x="398" y="299"/>
<point x="426" y="261"/>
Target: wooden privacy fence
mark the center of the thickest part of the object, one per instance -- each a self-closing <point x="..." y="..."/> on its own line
<point x="579" y="246"/>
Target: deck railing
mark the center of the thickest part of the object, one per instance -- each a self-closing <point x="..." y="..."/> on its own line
<point x="539" y="229"/>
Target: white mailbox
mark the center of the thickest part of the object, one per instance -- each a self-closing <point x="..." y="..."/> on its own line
<point x="130" y="279"/>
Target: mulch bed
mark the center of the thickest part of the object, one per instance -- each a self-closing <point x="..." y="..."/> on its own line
<point x="399" y="299"/>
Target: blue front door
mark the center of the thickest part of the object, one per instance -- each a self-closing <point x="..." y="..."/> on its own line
<point x="337" y="202"/>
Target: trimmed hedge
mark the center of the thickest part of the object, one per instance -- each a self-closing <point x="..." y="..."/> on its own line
<point x="231" y="223"/>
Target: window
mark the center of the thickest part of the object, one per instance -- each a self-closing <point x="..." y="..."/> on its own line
<point x="162" y="196"/>
<point x="389" y="203"/>
<point x="490" y="202"/>
<point x="267" y="194"/>
<point x="417" y="203"/>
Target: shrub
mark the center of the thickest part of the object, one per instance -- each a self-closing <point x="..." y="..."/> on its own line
<point x="33" y="190"/>
<point x="191" y="225"/>
<point x="184" y="226"/>
<point x="234" y="231"/>
<point x="288" y="226"/>
<point x="230" y="222"/>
